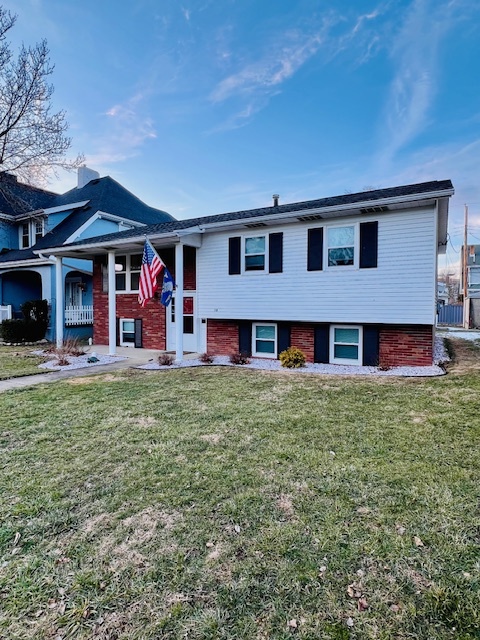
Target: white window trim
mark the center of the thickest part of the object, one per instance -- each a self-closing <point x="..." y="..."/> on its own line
<point x="262" y="354"/>
<point x="356" y="246"/>
<point x="332" y="358"/>
<point x="127" y="272"/>
<point x="120" y="330"/>
<point x="32" y="235"/>
<point x="253" y="272"/>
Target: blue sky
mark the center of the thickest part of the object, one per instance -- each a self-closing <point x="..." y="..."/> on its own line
<point x="205" y="106"/>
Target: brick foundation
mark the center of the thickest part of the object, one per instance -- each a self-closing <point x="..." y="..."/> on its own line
<point x="399" y="346"/>
<point x="302" y="337"/>
<point x="222" y="337"/>
<point x="409" y="346"/>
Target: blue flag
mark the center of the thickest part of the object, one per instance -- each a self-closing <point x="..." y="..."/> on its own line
<point x="167" y="288"/>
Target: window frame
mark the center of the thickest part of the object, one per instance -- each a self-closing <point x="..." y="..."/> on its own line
<point x="265" y="254"/>
<point x="121" y="332"/>
<point x="128" y="271"/>
<point x="348" y="361"/>
<point x="356" y="246"/>
<point x="262" y="354"/>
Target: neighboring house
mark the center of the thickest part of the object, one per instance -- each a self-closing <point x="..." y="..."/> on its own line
<point x="33" y="219"/>
<point x="472" y="306"/>
<point x="350" y="279"/>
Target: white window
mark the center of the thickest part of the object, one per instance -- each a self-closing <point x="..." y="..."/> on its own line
<point x="255" y="253"/>
<point x="127" y="332"/>
<point x="30" y="232"/>
<point x="25" y="235"/>
<point x="127" y="272"/>
<point x="38" y="228"/>
<point x="345" y="344"/>
<point x="264" y="340"/>
<point x="341" y="246"/>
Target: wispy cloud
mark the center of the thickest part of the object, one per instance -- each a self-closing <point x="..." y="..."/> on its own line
<point x="277" y="66"/>
<point x="414" y="55"/>
<point x="127" y="129"/>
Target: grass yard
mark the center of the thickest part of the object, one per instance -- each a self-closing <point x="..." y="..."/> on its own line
<point x="232" y="504"/>
<point x="19" y="361"/>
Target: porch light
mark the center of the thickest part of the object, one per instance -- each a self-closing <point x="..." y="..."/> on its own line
<point x="118" y="267"/>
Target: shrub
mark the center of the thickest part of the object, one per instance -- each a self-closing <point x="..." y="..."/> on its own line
<point x="206" y="358"/>
<point x="165" y="359"/>
<point x="16" y="330"/>
<point x="32" y="327"/>
<point x="239" y="358"/>
<point x="71" y="347"/>
<point x="292" y="358"/>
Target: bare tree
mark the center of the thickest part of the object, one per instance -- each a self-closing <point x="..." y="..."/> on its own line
<point x="33" y="141"/>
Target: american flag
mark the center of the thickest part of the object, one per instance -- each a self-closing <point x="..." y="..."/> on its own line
<point x="152" y="265"/>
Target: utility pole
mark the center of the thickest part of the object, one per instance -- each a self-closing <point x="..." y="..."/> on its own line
<point x="466" y="305"/>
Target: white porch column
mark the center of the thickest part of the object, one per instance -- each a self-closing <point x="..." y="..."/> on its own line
<point x="179" y="302"/>
<point x="60" y="302"/>
<point x="112" y="306"/>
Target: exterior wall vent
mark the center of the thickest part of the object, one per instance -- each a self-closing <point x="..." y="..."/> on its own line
<point x="374" y="210"/>
<point x="315" y="216"/>
<point x="254" y="225"/>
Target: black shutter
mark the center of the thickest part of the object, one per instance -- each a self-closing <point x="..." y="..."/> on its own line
<point x="245" y="337"/>
<point x="370" y="346"/>
<point x="138" y="333"/>
<point x="234" y="246"/>
<point x="321" y="343"/>
<point x="275" y="252"/>
<point x="283" y="338"/>
<point x="117" y="341"/>
<point x="315" y="249"/>
<point x="368" y="244"/>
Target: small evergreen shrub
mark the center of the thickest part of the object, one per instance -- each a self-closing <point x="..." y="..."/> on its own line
<point x="239" y="358"/>
<point x="17" y="330"/>
<point x="165" y="359"/>
<point x="32" y="327"/>
<point x="206" y="358"/>
<point x="292" y="358"/>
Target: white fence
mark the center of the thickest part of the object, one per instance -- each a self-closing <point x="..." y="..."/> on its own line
<point x="5" y="312"/>
<point x="78" y="315"/>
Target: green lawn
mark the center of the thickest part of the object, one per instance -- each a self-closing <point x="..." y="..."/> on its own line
<point x="18" y="361"/>
<point x="228" y="503"/>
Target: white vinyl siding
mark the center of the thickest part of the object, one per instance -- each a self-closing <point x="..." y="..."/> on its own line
<point x="400" y="290"/>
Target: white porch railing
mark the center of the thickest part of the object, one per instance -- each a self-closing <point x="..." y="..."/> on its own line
<point x="78" y="315"/>
<point x="5" y="312"/>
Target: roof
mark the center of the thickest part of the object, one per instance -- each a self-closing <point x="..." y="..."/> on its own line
<point x="101" y="194"/>
<point x="18" y="198"/>
<point x="361" y="202"/>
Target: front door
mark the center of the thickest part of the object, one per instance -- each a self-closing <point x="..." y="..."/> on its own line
<point x="191" y="327"/>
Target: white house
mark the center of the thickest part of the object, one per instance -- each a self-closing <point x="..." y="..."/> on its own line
<point x="348" y="279"/>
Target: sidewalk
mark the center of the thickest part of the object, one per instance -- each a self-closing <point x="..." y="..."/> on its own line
<point x="133" y="358"/>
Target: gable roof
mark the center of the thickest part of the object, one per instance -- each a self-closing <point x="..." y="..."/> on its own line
<point x="101" y="194"/>
<point x="18" y="198"/>
<point x="363" y="202"/>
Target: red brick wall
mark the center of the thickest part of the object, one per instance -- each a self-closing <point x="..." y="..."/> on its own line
<point x="402" y="346"/>
<point x="153" y="314"/>
<point x="222" y="337"/>
<point x="301" y="336"/>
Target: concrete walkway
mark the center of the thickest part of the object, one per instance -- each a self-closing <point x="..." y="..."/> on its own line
<point x="133" y="358"/>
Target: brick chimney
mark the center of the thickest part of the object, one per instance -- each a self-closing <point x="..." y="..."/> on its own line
<point x="85" y="175"/>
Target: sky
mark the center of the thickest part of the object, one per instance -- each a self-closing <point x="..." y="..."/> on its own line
<point x="206" y="106"/>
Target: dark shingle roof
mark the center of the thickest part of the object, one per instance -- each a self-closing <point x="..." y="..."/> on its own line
<point x="17" y="198"/>
<point x="107" y="195"/>
<point x="103" y="194"/>
<point x="364" y="197"/>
